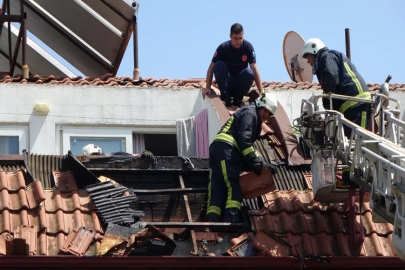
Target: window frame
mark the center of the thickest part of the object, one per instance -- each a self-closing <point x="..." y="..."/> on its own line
<point x="17" y="130"/>
<point x="66" y="132"/>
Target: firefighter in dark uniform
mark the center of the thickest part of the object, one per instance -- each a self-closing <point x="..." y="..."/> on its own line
<point x="235" y="69"/>
<point x="336" y="74"/>
<point x="231" y="149"/>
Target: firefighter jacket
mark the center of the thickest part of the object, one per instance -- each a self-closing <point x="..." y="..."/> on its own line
<point x="240" y="131"/>
<point x="338" y="75"/>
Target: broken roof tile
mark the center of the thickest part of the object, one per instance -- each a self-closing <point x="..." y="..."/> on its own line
<point x="253" y="185"/>
<point x="29" y="233"/>
<point x="78" y="241"/>
<point x="65" y="181"/>
<point x="52" y="213"/>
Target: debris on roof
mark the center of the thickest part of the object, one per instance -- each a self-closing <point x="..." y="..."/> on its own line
<point x="43" y="218"/>
<point x="253" y="185"/>
<point x="113" y="203"/>
<point x="78" y="241"/>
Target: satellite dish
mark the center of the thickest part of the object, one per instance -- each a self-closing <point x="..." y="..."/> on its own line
<point x="297" y="67"/>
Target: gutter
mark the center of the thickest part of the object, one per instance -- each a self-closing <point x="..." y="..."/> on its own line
<point x="175" y="262"/>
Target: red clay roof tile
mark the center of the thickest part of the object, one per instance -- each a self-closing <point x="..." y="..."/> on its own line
<point x="109" y="80"/>
<point x="21" y="210"/>
<point x="319" y="229"/>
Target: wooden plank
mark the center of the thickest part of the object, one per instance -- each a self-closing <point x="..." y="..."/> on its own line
<point x="189" y="218"/>
<point x="171" y="190"/>
<point x="216" y="225"/>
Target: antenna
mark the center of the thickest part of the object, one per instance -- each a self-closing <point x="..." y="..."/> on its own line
<point x="297" y="67"/>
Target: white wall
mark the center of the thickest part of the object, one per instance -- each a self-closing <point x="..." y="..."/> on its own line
<point x="132" y="109"/>
<point x="291" y="100"/>
<point x="91" y="106"/>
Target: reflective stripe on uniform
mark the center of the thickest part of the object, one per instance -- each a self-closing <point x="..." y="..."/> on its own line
<point x="214" y="209"/>
<point x="228" y="124"/>
<point x="363" y="119"/>
<point x="226" y="138"/>
<point x="209" y="188"/>
<point x="348" y="104"/>
<point x="228" y="184"/>
<point x="354" y="78"/>
<point x="233" y="204"/>
<point x="248" y="151"/>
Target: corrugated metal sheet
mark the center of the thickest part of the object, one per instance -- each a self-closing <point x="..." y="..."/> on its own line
<point x="11" y="167"/>
<point x="41" y="166"/>
<point x="11" y="163"/>
<point x="270" y="148"/>
<point x="291" y="177"/>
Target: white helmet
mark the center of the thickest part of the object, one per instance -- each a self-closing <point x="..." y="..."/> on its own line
<point x="268" y="101"/>
<point x="91" y="149"/>
<point x="312" y="46"/>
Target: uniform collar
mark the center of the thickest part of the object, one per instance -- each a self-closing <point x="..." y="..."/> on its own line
<point x="317" y="59"/>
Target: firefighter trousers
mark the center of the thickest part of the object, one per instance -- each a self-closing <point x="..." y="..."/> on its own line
<point x="224" y="193"/>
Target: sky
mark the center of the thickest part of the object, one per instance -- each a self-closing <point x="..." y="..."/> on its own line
<point x="178" y="38"/>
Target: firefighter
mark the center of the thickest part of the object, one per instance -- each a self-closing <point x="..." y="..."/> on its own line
<point x="235" y="69"/>
<point x="336" y="74"/>
<point x="231" y="149"/>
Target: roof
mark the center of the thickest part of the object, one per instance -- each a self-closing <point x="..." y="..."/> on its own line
<point x="312" y="228"/>
<point x="110" y="80"/>
<point x="309" y="227"/>
<point x="49" y="214"/>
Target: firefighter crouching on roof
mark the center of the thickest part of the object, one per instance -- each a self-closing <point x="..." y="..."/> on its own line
<point x="231" y="149"/>
<point x="337" y="75"/>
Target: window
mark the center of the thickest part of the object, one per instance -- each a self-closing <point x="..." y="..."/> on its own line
<point x="110" y="139"/>
<point x="161" y="144"/>
<point x="109" y="145"/>
<point x="9" y="145"/>
<point x="13" y="139"/>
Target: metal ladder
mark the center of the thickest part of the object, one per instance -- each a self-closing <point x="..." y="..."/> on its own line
<point x="376" y="162"/>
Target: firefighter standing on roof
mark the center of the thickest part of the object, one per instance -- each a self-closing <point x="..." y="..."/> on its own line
<point x="233" y="147"/>
<point x="230" y="67"/>
<point x="337" y="75"/>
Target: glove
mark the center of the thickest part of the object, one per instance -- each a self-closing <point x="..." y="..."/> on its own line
<point x="147" y="155"/>
<point x="272" y="168"/>
<point x="257" y="168"/>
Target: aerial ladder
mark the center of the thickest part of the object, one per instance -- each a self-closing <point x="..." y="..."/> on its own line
<point x="376" y="159"/>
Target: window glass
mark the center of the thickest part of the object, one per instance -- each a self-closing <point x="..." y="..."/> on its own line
<point x="9" y="145"/>
<point x="108" y="145"/>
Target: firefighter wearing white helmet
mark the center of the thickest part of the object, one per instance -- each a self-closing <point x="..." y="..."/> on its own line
<point x="267" y="101"/>
<point x="232" y="149"/>
<point x="337" y="75"/>
<point x="312" y="46"/>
